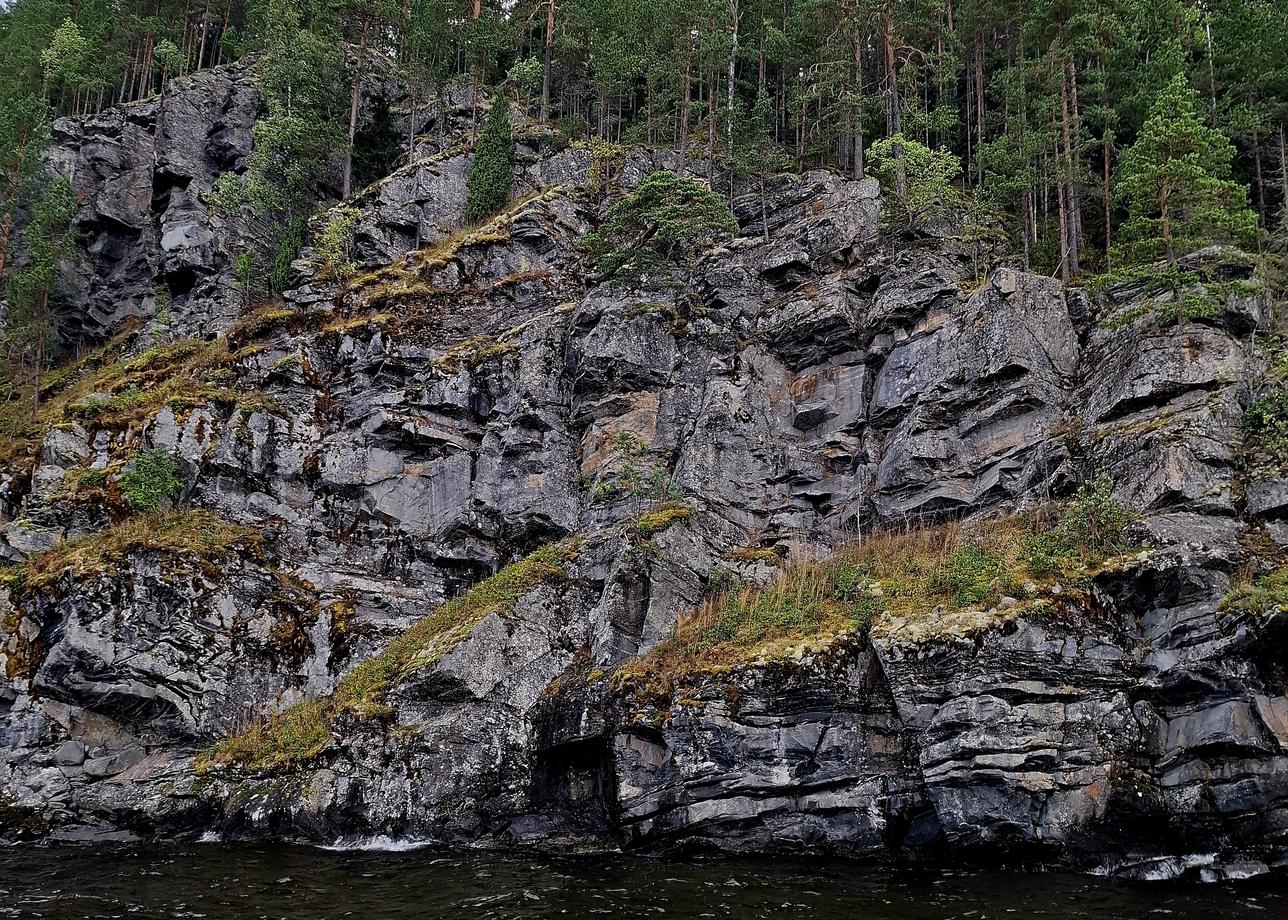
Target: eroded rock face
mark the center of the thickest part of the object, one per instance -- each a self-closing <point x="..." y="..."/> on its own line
<point x="150" y="245"/>
<point x="473" y="396"/>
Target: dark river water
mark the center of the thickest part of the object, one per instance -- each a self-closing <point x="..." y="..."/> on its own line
<point x="218" y="882"/>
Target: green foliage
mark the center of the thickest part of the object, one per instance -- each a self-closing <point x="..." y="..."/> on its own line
<point x="525" y="77"/>
<point x="492" y="170"/>
<point x="66" y="59"/>
<point x="666" y="217"/>
<point x="30" y="321"/>
<point x="228" y="195"/>
<point x="243" y="273"/>
<point x="628" y="475"/>
<point x="1266" y="593"/>
<point x="298" y="70"/>
<point x="1176" y="184"/>
<point x="289" y="242"/>
<point x="1265" y="430"/>
<point x="333" y="262"/>
<point x="929" y="176"/>
<point x="167" y="58"/>
<point x="153" y="480"/>
<point x="1092" y="528"/>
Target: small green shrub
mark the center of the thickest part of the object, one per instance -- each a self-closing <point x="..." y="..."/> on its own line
<point x="971" y="574"/>
<point x="1265" y="429"/>
<point x="719" y="580"/>
<point x="666" y="217"/>
<point x="1095" y="521"/>
<point x="153" y="480"/>
<point x="333" y="262"/>
<point x="228" y="195"/>
<point x="491" y="175"/>
<point x="290" y="238"/>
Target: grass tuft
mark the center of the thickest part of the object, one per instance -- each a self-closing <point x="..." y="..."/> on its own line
<point x="186" y="535"/>
<point x="656" y="520"/>
<point x="1263" y="594"/>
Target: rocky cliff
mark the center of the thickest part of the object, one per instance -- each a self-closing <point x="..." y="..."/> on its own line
<point x="426" y="534"/>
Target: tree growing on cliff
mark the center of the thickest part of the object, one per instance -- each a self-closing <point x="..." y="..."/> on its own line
<point x="30" y="325"/>
<point x="492" y="171"/>
<point x="1176" y="182"/>
<point x="919" y="181"/>
<point x="756" y="155"/>
<point x="24" y="133"/>
<point x="666" y="217"/>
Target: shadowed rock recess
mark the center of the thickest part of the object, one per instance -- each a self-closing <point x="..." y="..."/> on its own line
<point x="268" y="655"/>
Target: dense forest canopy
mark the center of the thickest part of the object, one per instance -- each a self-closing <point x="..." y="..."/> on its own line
<point x="1102" y="133"/>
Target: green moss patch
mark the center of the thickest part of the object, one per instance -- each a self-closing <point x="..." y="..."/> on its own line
<point x="301" y="732"/>
<point x="662" y="518"/>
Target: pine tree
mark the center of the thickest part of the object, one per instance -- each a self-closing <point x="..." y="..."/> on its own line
<point x="24" y="132"/>
<point x="1176" y="184"/>
<point x="918" y="180"/>
<point x="666" y="217"/>
<point x="756" y="155"/>
<point x="492" y="171"/>
<point x="30" y="323"/>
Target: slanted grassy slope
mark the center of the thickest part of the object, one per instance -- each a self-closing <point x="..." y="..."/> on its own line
<point x="301" y="732"/>
<point x="915" y="586"/>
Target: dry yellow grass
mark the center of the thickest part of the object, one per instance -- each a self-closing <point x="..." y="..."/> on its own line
<point x="912" y="586"/>
<point x="192" y="536"/>
<point x="301" y="732"/>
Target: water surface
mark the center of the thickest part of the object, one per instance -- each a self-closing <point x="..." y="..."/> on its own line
<point x="225" y="882"/>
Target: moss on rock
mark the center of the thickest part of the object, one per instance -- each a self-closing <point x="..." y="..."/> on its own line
<point x="301" y="732"/>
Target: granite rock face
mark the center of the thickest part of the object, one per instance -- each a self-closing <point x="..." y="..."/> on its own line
<point x="150" y="245"/>
<point x="472" y="395"/>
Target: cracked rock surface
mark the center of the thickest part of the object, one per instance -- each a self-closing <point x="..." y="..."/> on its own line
<point x="471" y="397"/>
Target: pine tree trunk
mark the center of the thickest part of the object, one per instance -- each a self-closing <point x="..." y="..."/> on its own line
<point x="685" y="105"/>
<point x="1075" y="164"/>
<point x="1068" y="198"/>
<point x="1166" y="210"/>
<point x="979" y="104"/>
<point x="856" y="158"/>
<point x="548" y="63"/>
<point x="1064" y="233"/>
<point x="205" y="27"/>
<point x="1283" y="169"/>
<point x="355" y="96"/>
<point x="1108" y="201"/>
<point x="712" y="94"/>
<point x="733" y="62"/>
<point x="894" y="118"/>
<point x="1257" y="177"/>
<point x="40" y="357"/>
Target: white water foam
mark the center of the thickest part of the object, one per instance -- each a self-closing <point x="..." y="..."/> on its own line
<point x="379" y="844"/>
